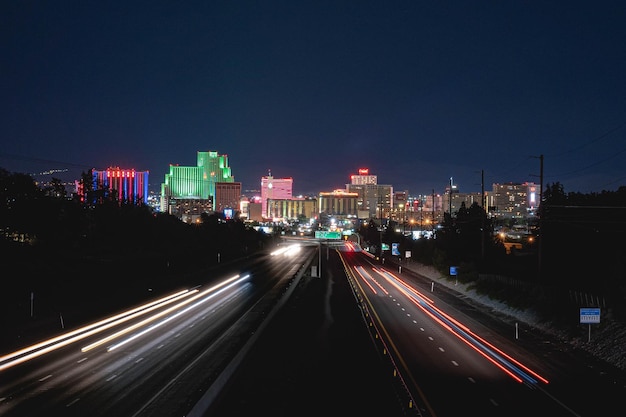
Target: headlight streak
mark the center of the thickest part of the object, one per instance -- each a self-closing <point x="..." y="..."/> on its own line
<point x="503" y="361"/>
<point x="172" y="317"/>
<point x="65" y="339"/>
<point x="293" y="250"/>
<point x="278" y="251"/>
<point x="290" y="250"/>
<point x="160" y="314"/>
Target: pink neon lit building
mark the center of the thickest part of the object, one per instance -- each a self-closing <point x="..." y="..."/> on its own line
<point x="274" y="188"/>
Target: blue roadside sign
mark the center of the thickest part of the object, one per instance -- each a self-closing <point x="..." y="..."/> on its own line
<point x="589" y="315"/>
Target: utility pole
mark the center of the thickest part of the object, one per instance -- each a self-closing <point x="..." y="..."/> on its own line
<point x="482" y="190"/>
<point x="540" y="210"/>
<point x="432" y="226"/>
<point x="539" y="245"/>
<point x="540" y="180"/>
<point x="450" y="199"/>
<point x="482" y="227"/>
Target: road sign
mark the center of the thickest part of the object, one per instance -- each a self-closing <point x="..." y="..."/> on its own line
<point x="325" y="234"/>
<point x="590" y="315"/>
<point x="453" y="270"/>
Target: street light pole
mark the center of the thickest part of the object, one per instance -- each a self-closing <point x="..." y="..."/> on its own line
<point x="319" y="259"/>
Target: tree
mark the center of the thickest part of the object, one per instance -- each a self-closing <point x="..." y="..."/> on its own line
<point x="554" y="195"/>
<point x="57" y="188"/>
<point x="19" y="195"/>
<point x="370" y="233"/>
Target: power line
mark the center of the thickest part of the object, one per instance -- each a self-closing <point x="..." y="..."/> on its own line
<point x="591" y="165"/>
<point x="39" y="160"/>
<point x="592" y="141"/>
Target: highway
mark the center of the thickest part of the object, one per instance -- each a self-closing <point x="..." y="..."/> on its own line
<point x="174" y="355"/>
<point x="158" y="358"/>
<point x="454" y="361"/>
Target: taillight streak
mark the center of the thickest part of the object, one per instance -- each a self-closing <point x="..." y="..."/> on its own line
<point x="512" y="367"/>
<point x="362" y="273"/>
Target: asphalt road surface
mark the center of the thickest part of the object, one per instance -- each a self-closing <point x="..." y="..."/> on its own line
<point x="315" y="358"/>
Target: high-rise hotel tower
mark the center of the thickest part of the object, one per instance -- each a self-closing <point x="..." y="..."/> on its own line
<point x="274" y="189"/>
<point x="197" y="183"/>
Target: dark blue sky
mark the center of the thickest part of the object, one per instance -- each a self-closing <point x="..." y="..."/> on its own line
<point x="417" y="91"/>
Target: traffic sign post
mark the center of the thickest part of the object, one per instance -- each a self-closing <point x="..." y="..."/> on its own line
<point x="395" y="249"/>
<point x="589" y="316"/>
<point x="453" y="273"/>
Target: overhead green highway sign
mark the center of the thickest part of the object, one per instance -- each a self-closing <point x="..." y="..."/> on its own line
<point x="325" y="234"/>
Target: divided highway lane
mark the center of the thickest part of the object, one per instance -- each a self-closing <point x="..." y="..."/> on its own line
<point x="155" y="359"/>
<point x="452" y="364"/>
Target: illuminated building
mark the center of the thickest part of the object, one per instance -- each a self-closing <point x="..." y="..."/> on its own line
<point x="374" y="200"/>
<point x="291" y="209"/>
<point x="274" y="189"/>
<point x="253" y="209"/>
<point x="190" y="210"/>
<point x="400" y="209"/>
<point x="126" y="185"/>
<point x="514" y="199"/>
<point x="363" y="177"/>
<point x="196" y="183"/>
<point x="227" y="196"/>
<point x="338" y="203"/>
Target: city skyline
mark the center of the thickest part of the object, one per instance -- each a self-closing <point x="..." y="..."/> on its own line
<point x="416" y="92"/>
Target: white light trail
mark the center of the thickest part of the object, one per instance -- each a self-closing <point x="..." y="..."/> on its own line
<point x="65" y="339"/>
<point x="161" y="323"/>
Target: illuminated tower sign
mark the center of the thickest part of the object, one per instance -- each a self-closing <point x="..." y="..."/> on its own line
<point x="363" y="177"/>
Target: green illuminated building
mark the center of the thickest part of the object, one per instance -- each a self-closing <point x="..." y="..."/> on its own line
<point x="195" y="183"/>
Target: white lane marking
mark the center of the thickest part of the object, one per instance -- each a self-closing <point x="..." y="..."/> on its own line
<point x="72" y="403"/>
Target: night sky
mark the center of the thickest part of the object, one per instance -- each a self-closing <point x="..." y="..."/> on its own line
<point x="416" y="91"/>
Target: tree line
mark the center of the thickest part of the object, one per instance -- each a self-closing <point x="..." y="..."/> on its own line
<point x="577" y="244"/>
<point x="51" y="237"/>
<point x="59" y="243"/>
